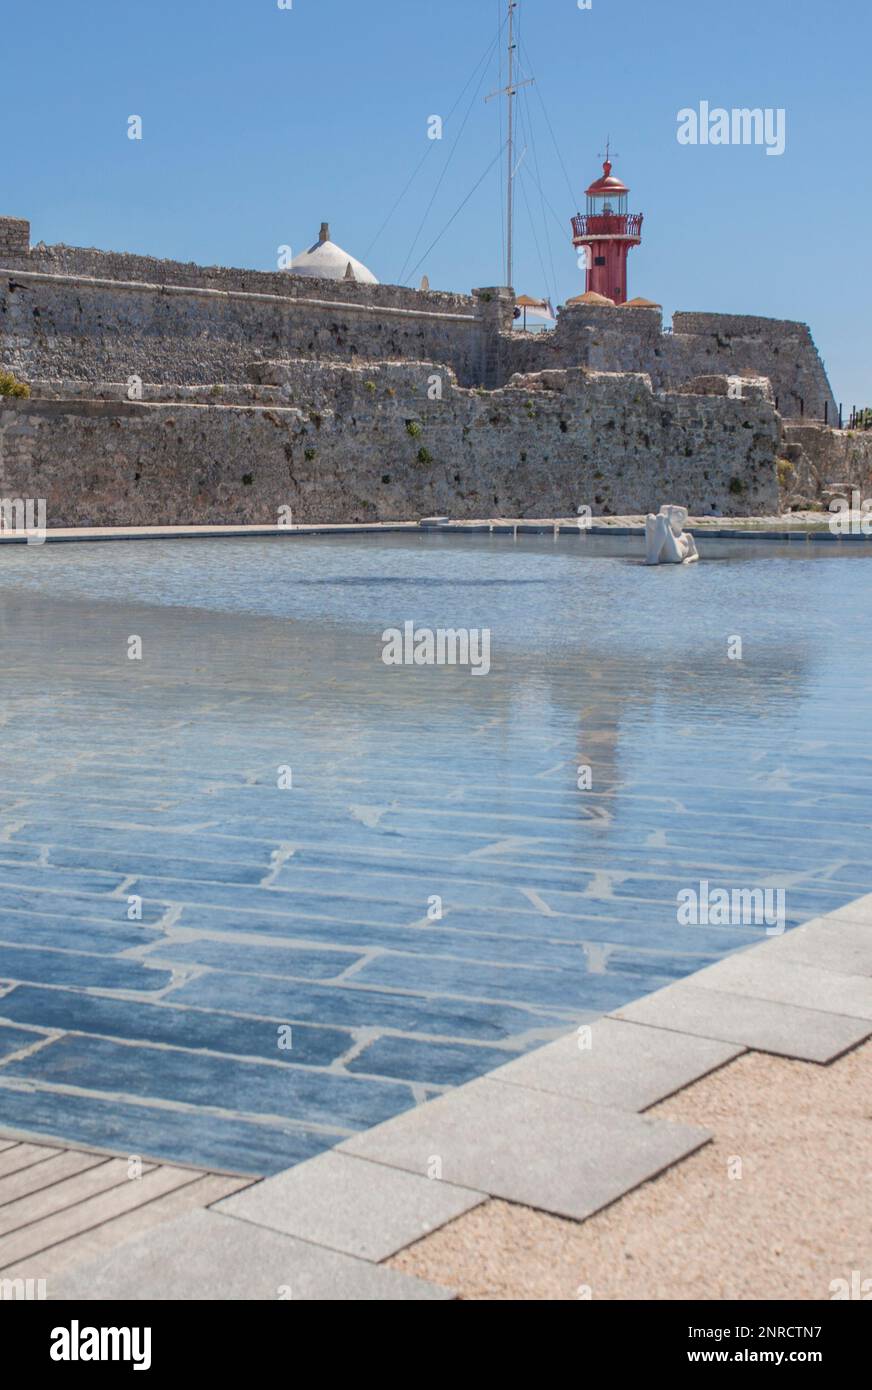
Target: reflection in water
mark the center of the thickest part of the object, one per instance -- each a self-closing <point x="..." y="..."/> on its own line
<point x="159" y="780"/>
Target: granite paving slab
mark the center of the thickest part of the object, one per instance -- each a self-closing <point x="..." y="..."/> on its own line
<point x="365" y="1209"/>
<point x="544" y="1151"/>
<point x="837" y="943"/>
<point x="768" y="975"/>
<point x="612" y="1063"/>
<point x="859" y="910"/>
<point x="206" y="1255"/>
<point x="764" y="1025"/>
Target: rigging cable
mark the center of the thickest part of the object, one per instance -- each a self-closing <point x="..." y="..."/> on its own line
<point x="572" y="195"/>
<point x="430" y="144"/>
<point x="552" y="287"/>
<point x="538" y="246"/>
<point x="497" y="156"/>
<point x="441" y="179"/>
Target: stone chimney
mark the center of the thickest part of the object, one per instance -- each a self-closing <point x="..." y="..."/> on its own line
<point x="324" y="234"/>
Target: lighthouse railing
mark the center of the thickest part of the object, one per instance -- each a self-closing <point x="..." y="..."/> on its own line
<point x="628" y="224"/>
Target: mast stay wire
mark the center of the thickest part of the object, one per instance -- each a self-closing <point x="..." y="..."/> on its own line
<point x="572" y="195"/>
<point x="483" y="65"/>
<point x="456" y="214"/>
<point x="430" y="144"/>
<point x="552" y="288"/>
<point x="557" y="218"/>
<point x="536" y="241"/>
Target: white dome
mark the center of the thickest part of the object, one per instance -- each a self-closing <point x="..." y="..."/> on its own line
<point x="327" y="261"/>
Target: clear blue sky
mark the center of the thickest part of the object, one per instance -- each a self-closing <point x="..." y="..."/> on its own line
<point x="259" y="123"/>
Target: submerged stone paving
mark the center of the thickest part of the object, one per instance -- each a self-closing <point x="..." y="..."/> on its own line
<point x="202" y="966"/>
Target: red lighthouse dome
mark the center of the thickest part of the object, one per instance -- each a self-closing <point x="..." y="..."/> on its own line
<point x="607" y="231"/>
<point x="607" y="184"/>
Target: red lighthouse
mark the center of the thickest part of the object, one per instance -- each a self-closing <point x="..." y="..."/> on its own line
<point x="608" y="231"/>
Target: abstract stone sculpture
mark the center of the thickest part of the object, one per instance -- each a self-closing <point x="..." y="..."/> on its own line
<point x="665" y="540"/>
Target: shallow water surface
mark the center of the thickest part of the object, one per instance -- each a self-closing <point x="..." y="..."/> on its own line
<point x="222" y="866"/>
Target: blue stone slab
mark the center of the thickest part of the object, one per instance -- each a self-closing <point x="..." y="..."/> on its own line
<point x="11" y="1039"/>
<point x="99" y="938"/>
<point x="39" y="966"/>
<point x="68" y="905"/>
<point x="172" y="1136"/>
<point x="221" y="1083"/>
<point x="176" y="1027"/>
<point x="508" y="938"/>
<point x="413" y="890"/>
<point x="348" y="1007"/>
<point x="189" y="870"/>
<point x="58" y="880"/>
<point x="464" y="979"/>
<point x="14" y="854"/>
<point x="557" y="902"/>
<point x="295" y="962"/>
<point x="431" y="1063"/>
<point x="271" y="900"/>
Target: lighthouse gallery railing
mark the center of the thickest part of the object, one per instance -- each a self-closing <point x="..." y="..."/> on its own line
<point x="607" y="224"/>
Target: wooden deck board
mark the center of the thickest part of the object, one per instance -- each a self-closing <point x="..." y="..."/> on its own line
<point x="94" y="1211"/>
<point x="64" y="1164"/>
<point x="80" y="1187"/>
<point x="22" y="1156"/>
<point x="100" y="1240"/>
<point x="61" y="1206"/>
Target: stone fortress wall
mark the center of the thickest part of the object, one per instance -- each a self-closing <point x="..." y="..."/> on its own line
<point x="369" y="443"/>
<point x="81" y="312"/>
<point x="632" y="340"/>
<point x="526" y="424"/>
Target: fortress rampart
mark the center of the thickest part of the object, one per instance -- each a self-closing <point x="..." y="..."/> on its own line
<point x="88" y="314"/>
<point x="632" y="340"/>
<point x="316" y="393"/>
<point x="367" y="443"/>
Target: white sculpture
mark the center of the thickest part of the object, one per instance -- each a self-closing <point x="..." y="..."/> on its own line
<point x="665" y="539"/>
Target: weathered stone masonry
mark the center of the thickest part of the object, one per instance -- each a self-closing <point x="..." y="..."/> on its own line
<point x="263" y="390"/>
<point x="96" y="310"/>
<point x="384" y="450"/>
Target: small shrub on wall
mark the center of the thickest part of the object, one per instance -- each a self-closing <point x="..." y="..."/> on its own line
<point x="11" y="386"/>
